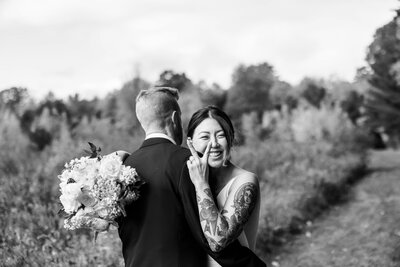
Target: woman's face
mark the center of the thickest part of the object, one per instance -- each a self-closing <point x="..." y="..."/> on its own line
<point x="207" y="131"/>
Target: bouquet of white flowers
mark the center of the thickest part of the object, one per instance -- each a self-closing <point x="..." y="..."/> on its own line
<point x="96" y="189"/>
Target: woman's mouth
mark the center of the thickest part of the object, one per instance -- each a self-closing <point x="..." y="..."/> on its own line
<point x="215" y="154"/>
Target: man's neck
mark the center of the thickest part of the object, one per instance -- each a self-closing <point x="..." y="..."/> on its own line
<point x="159" y="134"/>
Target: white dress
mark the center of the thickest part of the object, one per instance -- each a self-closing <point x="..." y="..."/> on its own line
<point x="248" y="236"/>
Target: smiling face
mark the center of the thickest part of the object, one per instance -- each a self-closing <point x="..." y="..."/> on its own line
<point x="209" y="130"/>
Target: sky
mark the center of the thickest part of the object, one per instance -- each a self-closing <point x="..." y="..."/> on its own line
<point x="93" y="47"/>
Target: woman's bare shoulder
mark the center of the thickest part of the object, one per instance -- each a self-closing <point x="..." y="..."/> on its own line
<point x="244" y="179"/>
<point x="244" y="176"/>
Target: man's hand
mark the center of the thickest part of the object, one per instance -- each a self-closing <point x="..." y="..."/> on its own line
<point x="122" y="154"/>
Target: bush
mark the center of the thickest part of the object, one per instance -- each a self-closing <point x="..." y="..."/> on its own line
<point x="298" y="181"/>
<point x="31" y="231"/>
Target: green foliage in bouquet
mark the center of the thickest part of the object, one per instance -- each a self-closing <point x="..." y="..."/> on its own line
<point x="94" y="151"/>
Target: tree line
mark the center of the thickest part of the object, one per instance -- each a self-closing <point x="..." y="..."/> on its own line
<point x="371" y="101"/>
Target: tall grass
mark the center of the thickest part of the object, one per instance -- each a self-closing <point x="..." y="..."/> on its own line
<point x="31" y="231"/>
<point x="297" y="181"/>
<point x="306" y="165"/>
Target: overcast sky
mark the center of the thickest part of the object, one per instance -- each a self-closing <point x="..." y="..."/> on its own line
<point x="94" y="46"/>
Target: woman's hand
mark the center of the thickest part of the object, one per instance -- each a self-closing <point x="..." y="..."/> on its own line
<point x="221" y="227"/>
<point x="198" y="166"/>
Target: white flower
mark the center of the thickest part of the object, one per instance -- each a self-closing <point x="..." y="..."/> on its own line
<point x="110" y="166"/>
<point x="102" y="212"/>
<point x="65" y="176"/>
<point x="88" y="166"/>
<point x="85" y="171"/>
<point x="69" y="198"/>
<point x="128" y="175"/>
<point x="99" y="225"/>
<point x="72" y="189"/>
<point x="91" y="190"/>
<point x="87" y="200"/>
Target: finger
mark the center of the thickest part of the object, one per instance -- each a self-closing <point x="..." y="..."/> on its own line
<point x="189" y="164"/>
<point x="207" y="152"/>
<point x="195" y="161"/>
<point x="122" y="154"/>
<point x="191" y="148"/>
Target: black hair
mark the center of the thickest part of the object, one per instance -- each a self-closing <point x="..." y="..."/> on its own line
<point x="215" y="113"/>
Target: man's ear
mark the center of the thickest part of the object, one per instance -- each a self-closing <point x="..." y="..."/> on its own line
<point x="177" y="127"/>
<point x="176" y="119"/>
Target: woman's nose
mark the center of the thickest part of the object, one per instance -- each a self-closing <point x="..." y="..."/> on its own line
<point x="214" y="142"/>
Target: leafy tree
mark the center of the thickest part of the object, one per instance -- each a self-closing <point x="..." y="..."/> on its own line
<point x="108" y="107"/>
<point x="78" y="108"/>
<point x="125" y="117"/>
<point x="55" y="106"/>
<point x="250" y="90"/>
<point x="362" y="74"/>
<point x="13" y="98"/>
<point x="383" y="101"/>
<point x="118" y="107"/>
<point x="291" y="102"/>
<point x="176" y="80"/>
<point x="312" y="91"/>
<point x="213" y="95"/>
<point x="352" y="105"/>
<point x="281" y="94"/>
<point x="27" y="119"/>
<point x="41" y="138"/>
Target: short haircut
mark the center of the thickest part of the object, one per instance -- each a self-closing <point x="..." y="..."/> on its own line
<point x="158" y="90"/>
<point x="156" y="104"/>
<point x="219" y="115"/>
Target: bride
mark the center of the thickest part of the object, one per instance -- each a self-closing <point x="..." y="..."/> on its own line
<point x="228" y="197"/>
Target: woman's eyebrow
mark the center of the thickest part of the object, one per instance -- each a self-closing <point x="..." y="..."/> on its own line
<point x="207" y="132"/>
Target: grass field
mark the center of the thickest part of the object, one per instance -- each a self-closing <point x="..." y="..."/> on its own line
<point x="363" y="232"/>
<point x="299" y="181"/>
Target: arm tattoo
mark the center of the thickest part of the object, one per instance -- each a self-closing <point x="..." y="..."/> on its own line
<point x="208" y="212"/>
<point x="245" y="201"/>
<point x="244" y="204"/>
<point x="208" y="192"/>
<point x="221" y="228"/>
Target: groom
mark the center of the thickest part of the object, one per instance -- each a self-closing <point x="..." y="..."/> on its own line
<point x="162" y="227"/>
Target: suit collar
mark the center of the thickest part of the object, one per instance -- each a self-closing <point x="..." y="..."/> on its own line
<point x="160" y="135"/>
<point x="154" y="141"/>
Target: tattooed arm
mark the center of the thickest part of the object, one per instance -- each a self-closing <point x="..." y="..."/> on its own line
<point x="222" y="226"/>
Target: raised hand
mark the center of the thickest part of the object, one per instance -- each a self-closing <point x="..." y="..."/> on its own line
<point x="198" y="166"/>
<point x="122" y="154"/>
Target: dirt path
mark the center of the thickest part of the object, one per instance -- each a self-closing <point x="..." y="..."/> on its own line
<point x="363" y="232"/>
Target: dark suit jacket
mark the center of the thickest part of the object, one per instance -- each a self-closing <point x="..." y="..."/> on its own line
<point x="162" y="227"/>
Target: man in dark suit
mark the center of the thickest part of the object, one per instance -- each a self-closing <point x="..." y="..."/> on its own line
<point x="162" y="227"/>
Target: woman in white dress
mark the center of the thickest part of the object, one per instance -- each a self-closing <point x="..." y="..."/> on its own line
<point x="228" y="197"/>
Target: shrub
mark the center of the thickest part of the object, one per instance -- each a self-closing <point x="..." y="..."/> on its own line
<point x="298" y="181"/>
